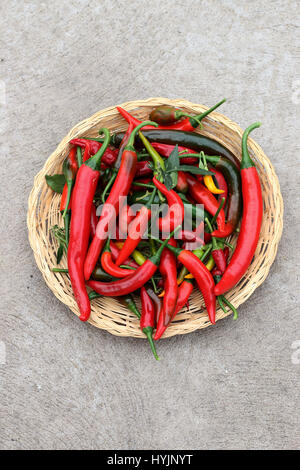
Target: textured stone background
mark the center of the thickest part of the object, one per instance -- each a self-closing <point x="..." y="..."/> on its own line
<point x="66" y="385"/>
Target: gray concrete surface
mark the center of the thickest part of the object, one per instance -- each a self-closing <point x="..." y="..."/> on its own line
<point x="65" y="385"/>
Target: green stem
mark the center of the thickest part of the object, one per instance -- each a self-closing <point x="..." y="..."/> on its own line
<point x="148" y="332"/>
<point x="59" y="270"/>
<point x="95" y="161"/>
<point x="70" y="185"/>
<point x="246" y="159"/>
<point x="143" y="185"/>
<point x="79" y="157"/>
<point x="199" y="117"/>
<point x="218" y="210"/>
<point x="130" y="144"/>
<point x="110" y="182"/>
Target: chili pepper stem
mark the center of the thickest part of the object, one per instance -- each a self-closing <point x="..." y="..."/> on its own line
<point x="218" y="210"/>
<point x="246" y="159"/>
<point x="201" y="116"/>
<point x="69" y="184"/>
<point x="148" y="332"/>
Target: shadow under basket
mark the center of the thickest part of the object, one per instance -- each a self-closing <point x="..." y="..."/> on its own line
<point x="108" y="313"/>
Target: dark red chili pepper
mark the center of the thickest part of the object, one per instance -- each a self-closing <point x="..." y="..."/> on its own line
<point x="216" y="271"/>
<point x="136" y="230"/>
<point x="110" y="210"/>
<point x="168" y="270"/>
<point x="130" y="283"/>
<point x="143" y="169"/>
<point x="217" y="252"/>
<point x="202" y="276"/>
<point x="188" y="124"/>
<point x="147" y="321"/>
<point x="251" y="221"/>
<point x="182" y="185"/>
<point x="184" y="291"/>
<point x="175" y="214"/>
<point x="157" y="302"/>
<point x="123" y="144"/>
<point x="83" y="195"/>
<point x="165" y="150"/>
<point x="91" y="147"/>
<point x="115" y="253"/>
<point x="110" y="267"/>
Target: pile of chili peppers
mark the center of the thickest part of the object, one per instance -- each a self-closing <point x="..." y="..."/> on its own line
<point x="114" y="249"/>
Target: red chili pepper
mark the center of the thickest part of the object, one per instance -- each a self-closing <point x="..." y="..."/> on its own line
<point x="203" y="278"/>
<point x="217" y="252"/>
<point x="115" y="253"/>
<point x="130" y="283"/>
<point x="221" y="181"/>
<point x="216" y="271"/>
<point x="184" y="291"/>
<point x="147" y="321"/>
<point x="125" y="217"/>
<point x="143" y="169"/>
<point x="251" y="221"/>
<point x="175" y="214"/>
<point x="110" y="210"/>
<point x="203" y="196"/>
<point x="123" y="145"/>
<point x="182" y="185"/>
<point x="110" y="267"/>
<point x="168" y="270"/>
<point x="71" y="163"/>
<point x="83" y="195"/>
<point x="166" y="149"/>
<point x="91" y="147"/>
<point x="157" y="302"/>
<point x="188" y="124"/>
<point x="136" y="230"/>
<point x="94" y="220"/>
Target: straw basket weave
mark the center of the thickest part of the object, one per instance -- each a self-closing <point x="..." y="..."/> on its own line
<point x="108" y="313"/>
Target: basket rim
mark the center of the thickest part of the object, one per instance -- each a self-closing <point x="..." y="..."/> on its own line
<point x="216" y="117"/>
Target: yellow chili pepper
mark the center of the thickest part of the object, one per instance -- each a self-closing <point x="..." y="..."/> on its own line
<point x="210" y="184"/>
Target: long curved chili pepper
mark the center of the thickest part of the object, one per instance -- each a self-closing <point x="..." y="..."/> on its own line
<point x="217" y="252"/>
<point x="234" y="200"/>
<point x="175" y="214"/>
<point x="188" y="124"/>
<point x="91" y="147"/>
<point x="147" y="321"/>
<point x="251" y="220"/>
<point x="115" y="251"/>
<point x="221" y="182"/>
<point x="83" y="194"/>
<point x="110" y="210"/>
<point x="131" y="283"/>
<point x="136" y="230"/>
<point x="190" y="140"/>
<point x="70" y="168"/>
<point x="202" y="276"/>
<point x="203" y="196"/>
<point x="168" y="270"/>
<point x="94" y="220"/>
<point x="157" y="302"/>
<point x="184" y="292"/>
<point x="110" y="267"/>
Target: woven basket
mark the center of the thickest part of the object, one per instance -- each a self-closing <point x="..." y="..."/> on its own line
<point x="107" y="313"/>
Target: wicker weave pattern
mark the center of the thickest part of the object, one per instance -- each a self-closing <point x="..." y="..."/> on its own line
<point x="108" y="313"/>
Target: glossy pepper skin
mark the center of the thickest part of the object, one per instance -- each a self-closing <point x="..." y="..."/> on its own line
<point x="184" y="291"/>
<point x="130" y="283"/>
<point x="175" y="214"/>
<point x="168" y="270"/>
<point x="157" y="302"/>
<point x="203" y="196"/>
<point x="202" y="276"/>
<point x="82" y="201"/>
<point x="115" y="251"/>
<point x="234" y="199"/>
<point x="110" y="267"/>
<point x="190" y="140"/>
<point x="188" y="124"/>
<point x="147" y="320"/>
<point x="91" y="147"/>
<point x="165" y="150"/>
<point x="136" y="231"/>
<point x="120" y="188"/>
<point x="221" y="183"/>
<point x="251" y="221"/>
